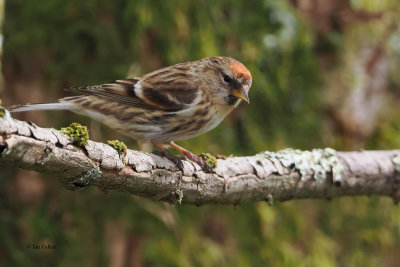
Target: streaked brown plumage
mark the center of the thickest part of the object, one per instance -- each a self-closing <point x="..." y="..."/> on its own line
<point x="170" y="104"/>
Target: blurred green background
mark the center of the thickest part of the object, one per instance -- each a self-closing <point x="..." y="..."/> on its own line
<point x="325" y="73"/>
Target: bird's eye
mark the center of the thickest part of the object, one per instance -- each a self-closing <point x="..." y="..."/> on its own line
<point x="227" y="78"/>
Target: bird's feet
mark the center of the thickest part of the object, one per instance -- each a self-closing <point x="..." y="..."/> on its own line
<point x="178" y="161"/>
<point x="204" y="164"/>
<point x="175" y="159"/>
<point x="198" y="159"/>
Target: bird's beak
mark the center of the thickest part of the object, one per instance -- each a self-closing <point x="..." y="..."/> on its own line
<point x="242" y="94"/>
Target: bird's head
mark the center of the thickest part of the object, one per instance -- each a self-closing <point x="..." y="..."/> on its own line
<point x="233" y="80"/>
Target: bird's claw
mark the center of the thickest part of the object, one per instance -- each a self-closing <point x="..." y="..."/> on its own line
<point x="175" y="159"/>
<point x="203" y="164"/>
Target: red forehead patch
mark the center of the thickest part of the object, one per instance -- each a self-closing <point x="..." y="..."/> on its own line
<point x="239" y="70"/>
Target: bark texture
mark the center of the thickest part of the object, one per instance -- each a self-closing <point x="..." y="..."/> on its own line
<point x="284" y="175"/>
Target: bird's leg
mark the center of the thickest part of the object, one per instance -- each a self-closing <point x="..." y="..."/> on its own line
<point x="168" y="155"/>
<point x="204" y="165"/>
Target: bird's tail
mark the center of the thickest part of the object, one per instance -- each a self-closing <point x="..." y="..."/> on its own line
<point x="46" y="106"/>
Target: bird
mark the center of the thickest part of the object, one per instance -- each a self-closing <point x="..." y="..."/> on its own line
<point x="170" y="104"/>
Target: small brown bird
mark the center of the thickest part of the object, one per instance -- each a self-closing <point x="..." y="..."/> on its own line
<point x="170" y="104"/>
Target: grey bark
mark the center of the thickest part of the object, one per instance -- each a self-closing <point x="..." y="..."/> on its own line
<point x="284" y="175"/>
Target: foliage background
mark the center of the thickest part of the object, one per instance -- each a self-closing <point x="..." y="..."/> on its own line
<point x="325" y="73"/>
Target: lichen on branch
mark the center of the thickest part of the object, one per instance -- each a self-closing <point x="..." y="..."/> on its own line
<point x="316" y="163"/>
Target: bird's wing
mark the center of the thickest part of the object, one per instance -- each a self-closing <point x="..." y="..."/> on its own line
<point x="152" y="92"/>
<point x="122" y="91"/>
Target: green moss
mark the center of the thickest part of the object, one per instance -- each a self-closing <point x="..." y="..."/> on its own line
<point x="78" y="133"/>
<point x="210" y="159"/>
<point x="2" y="110"/>
<point x="118" y="145"/>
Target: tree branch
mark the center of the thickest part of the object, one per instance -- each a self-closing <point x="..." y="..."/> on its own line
<point x="284" y="175"/>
